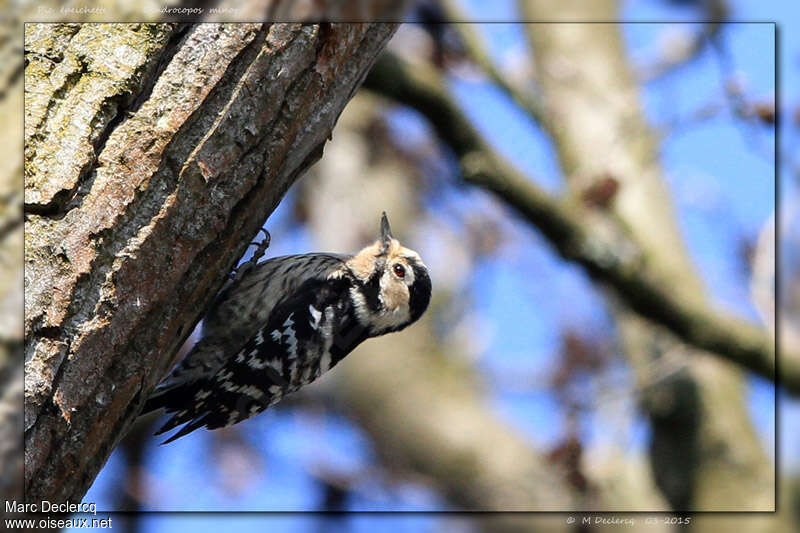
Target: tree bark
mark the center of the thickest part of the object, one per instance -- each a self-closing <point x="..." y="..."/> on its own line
<point x="153" y="154"/>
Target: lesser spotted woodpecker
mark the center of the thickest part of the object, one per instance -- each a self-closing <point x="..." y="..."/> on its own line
<point x="286" y="321"/>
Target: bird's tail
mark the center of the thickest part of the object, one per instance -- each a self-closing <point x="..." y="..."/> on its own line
<point x="165" y="397"/>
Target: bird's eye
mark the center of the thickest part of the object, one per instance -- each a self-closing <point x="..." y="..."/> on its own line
<point x="399" y="271"/>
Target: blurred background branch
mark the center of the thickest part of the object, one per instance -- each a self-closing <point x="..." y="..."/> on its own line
<point x="617" y="263"/>
<point x="11" y="272"/>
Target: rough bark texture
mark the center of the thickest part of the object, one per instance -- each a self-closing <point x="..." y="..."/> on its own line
<point x="153" y="154"/>
<point x="705" y="452"/>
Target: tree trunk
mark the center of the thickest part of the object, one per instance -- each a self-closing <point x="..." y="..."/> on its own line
<point x="705" y="452"/>
<point x="153" y="153"/>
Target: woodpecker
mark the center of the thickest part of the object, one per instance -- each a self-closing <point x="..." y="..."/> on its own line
<point x="281" y="323"/>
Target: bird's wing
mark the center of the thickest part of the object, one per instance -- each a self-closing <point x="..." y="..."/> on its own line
<point x="243" y="307"/>
<point x="304" y="337"/>
<point x="240" y="310"/>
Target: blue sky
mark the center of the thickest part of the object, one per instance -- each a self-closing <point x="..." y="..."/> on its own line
<point x="722" y="188"/>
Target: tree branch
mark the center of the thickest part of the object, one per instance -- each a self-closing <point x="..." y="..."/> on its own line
<point x="478" y="53"/>
<point x="694" y="322"/>
<point x="148" y="170"/>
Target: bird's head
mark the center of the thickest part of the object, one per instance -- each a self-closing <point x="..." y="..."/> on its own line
<point x="393" y="287"/>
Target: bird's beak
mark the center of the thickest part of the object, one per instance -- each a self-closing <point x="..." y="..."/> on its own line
<point x="386" y="233"/>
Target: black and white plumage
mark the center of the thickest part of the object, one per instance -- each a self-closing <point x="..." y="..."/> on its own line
<point x="283" y="323"/>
